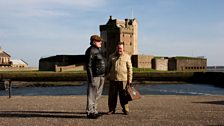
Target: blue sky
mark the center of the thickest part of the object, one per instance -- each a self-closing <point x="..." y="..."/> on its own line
<point x="31" y="29"/>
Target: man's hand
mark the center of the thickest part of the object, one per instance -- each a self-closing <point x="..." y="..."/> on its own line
<point x="129" y="82"/>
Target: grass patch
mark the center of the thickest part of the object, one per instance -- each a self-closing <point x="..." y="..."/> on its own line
<point x="134" y="69"/>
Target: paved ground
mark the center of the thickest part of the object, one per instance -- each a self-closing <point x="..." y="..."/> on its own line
<point x="151" y="110"/>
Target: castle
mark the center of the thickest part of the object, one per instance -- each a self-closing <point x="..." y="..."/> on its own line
<point x="126" y="31"/>
<point x="120" y="31"/>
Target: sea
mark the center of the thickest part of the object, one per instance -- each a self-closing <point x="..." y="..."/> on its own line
<point x="144" y="89"/>
<point x="215" y="68"/>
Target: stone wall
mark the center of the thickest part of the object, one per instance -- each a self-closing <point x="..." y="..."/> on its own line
<point x="160" y="64"/>
<point x="18" y="68"/>
<point x="69" y="68"/>
<point x="187" y="64"/>
<point x="141" y="61"/>
<point x="191" y="65"/>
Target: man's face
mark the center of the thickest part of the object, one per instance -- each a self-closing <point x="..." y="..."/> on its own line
<point x="120" y="48"/>
<point x="98" y="44"/>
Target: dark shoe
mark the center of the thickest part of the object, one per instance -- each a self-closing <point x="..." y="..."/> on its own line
<point x="97" y="115"/>
<point x="111" y="112"/>
<point x="93" y="116"/>
<point x="125" y="112"/>
<point x="90" y="115"/>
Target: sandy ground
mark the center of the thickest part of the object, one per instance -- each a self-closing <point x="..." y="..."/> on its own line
<point x="151" y="110"/>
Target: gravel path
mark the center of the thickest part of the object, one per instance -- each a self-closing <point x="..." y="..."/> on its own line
<point x="151" y="110"/>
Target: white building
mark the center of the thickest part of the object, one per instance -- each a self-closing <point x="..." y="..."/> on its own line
<point x="4" y="59"/>
<point x="19" y="63"/>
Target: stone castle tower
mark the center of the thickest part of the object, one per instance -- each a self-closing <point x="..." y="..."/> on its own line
<point x="116" y="31"/>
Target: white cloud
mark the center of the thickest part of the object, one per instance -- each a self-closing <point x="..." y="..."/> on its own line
<point x="42" y="13"/>
<point x="46" y="7"/>
<point x="75" y="3"/>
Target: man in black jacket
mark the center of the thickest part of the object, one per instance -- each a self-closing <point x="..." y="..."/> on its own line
<point x="95" y="66"/>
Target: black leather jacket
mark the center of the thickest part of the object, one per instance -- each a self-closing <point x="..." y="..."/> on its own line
<point x="95" y="63"/>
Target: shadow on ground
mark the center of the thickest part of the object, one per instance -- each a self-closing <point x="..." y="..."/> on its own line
<point x="211" y="102"/>
<point x="49" y="114"/>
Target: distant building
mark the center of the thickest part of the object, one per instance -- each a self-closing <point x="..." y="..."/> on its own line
<point x="19" y="63"/>
<point x="77" y="62"/>
<point x="6" y="63"/>
<point x="187" y="64"/>
<point x="4" y="59"/>
<point x="141" y="61"/>
<point x="62" y="63"/>
<point x="115" y="31"/>
<point x="160" y="64"/>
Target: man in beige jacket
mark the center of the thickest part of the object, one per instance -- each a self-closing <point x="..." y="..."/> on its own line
<point x="120" y="74"/>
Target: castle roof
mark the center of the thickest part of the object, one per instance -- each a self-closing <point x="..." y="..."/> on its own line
<point x="119" y="22"/>
<point x="3" y="53"/>
<point x="18" y="62"/>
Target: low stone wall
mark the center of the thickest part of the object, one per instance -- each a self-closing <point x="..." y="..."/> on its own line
<point x="214" y="78"/>
<point x="69" y="68"/>
<point x="18" y="69"/>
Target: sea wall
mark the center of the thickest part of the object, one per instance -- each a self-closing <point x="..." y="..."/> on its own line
<point x="214" y="78"/>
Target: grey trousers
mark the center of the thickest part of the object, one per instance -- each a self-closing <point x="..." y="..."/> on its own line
<point x="94" y="92"/>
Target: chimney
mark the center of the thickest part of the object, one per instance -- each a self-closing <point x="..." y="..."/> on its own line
<point x="126" y="23"/>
